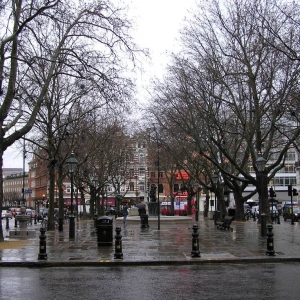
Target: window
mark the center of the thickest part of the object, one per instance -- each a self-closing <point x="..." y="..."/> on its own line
<point x="160" y="189"/>
<point x="291" y="156"/>
<point x="131" y="173"/>
<point x="141" y="159"/>
<point x="152" y="175"/>
<point x="289" y="168"/>
<point x="131" y="157"/>
<point x="141" y="172"/>
<point x="251" y="169"/>
<point x="141" y="186"/>
<point x="131" y="186"/>
<point x="141" y="144"/>
<point x="161" y="174"/>
<point x="176" y="187"/>
<point x="284" y="181"/>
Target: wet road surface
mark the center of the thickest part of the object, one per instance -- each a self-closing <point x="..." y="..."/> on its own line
<point x="217" y="281"/>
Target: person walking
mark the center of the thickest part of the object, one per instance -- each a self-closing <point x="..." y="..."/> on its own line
<point x="125" y="213"/>
<point x="142" y="208"/>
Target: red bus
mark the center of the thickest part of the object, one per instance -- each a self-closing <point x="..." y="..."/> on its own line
<point x="180" y="206"/>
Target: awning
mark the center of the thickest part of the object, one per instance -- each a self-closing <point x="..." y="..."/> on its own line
<point x="68" y="202"/>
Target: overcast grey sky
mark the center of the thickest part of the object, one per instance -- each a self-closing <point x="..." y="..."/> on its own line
<point x="157" y="25"/>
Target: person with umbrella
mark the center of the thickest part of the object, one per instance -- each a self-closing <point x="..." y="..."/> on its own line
<point x="142" y="208"/>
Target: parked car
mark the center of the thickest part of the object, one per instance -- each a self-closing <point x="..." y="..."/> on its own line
<point x="296" y="212"/>
<point x="287" y="213"/>
<point x="6" y="214"/>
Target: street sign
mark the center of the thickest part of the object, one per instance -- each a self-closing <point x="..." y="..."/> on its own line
<point x="28" y="191"/>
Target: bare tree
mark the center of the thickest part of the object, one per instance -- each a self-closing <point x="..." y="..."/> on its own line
<point x="90" y="40"/>
<point x="231" y="94"/>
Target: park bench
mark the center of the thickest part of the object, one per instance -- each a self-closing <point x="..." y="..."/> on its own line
<point x="224" y="223"/>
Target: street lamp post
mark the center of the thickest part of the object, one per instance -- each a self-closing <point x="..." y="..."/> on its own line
<point x="215" y="179"/>
<point x="260" y="164"/>
<point x="196" y="186"/>
<point x="71" y="164"/>
<point x="95" y="183"/>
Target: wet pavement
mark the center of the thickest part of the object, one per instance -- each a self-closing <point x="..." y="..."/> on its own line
<point x="172" y="244"/>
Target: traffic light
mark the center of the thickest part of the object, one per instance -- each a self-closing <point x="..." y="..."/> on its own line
<point x="272" y="193"/>
<point x="290" y="190"/>
<point x="152" y="193"/>
<point x="295" y="192"/>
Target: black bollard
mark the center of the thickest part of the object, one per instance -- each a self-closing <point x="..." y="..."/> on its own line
<point x="7" y="223"/>
<point x="16" y="223"/>
<point x="195" y="242"/>
<point x="270" y="242"/>
<point x="35" y="220"/>
<point x="278" y="219"/>
<point x="196" y="215"/>
<point x="254" y="215"/>
<point x="118" y="243"/>
<point x="43" y="252"/>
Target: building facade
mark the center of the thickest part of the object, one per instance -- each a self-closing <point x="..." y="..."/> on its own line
<point x="15" y="189"/>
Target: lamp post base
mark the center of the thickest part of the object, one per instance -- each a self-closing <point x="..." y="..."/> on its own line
<point x="71" y="227"/>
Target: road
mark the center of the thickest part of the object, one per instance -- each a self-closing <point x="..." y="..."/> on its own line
<point x="208" y="281"/>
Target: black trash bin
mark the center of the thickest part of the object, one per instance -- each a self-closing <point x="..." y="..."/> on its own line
<point x="105" y="231"/>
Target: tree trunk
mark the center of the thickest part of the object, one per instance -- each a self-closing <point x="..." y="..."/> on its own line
<point x="239" y="206"/>
<point x="206" y="207"/>
<point x="1" y="192"/>
<point x="50" y="223"/>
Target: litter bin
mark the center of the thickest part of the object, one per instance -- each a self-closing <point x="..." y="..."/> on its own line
<point x="105" y="231"/>
<point x="144" y="221"/>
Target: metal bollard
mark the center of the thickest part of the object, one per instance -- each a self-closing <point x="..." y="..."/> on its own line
<point x="270" y="242"/>
<point x="195" y="242"/>
<point x="43" y="252"/>
<point x="16" y="222"/>
<point x="118" y="243"/>
<point x="278" y="219"/>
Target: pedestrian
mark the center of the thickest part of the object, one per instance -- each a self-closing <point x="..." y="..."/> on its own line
<point x="142" y="208"/>
<point x="125" y="213"/>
